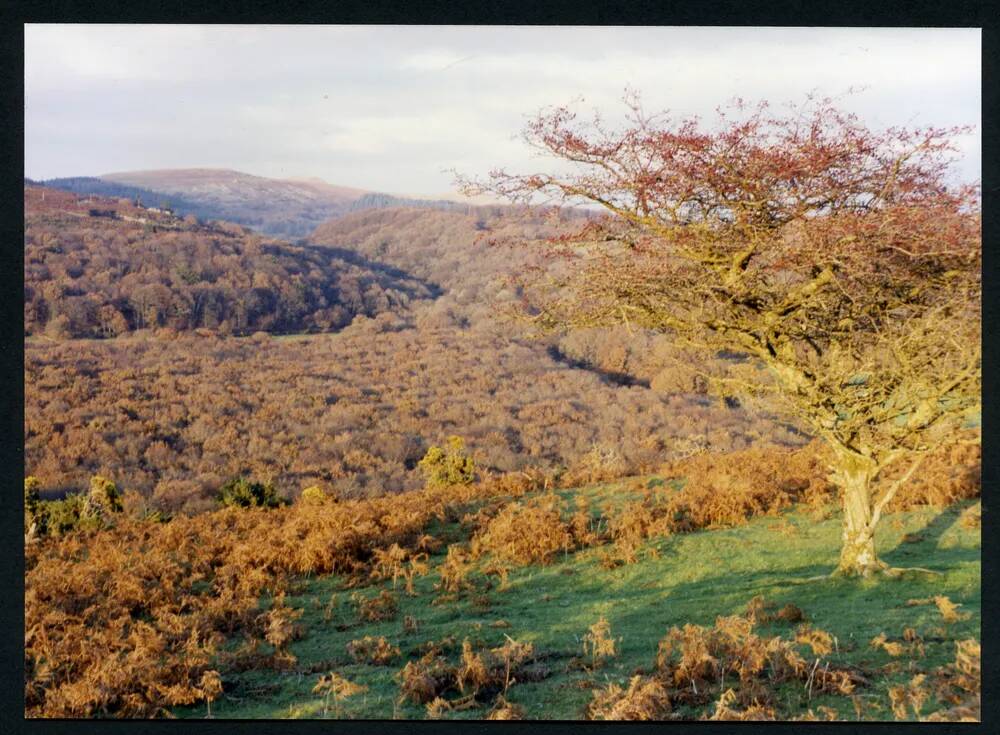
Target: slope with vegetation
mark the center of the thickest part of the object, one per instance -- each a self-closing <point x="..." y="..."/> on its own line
<point x="455" y="250"/>
<point x="278" y="207"/>
<point x="101" y="267"/>
<point x="505" y="599"/>
<point x="823" y="272"/>
<point x="91" y="186"/>
<point x="374" y="396"/>
<point x="174" y="416"/>
<point x="477" y="258"/>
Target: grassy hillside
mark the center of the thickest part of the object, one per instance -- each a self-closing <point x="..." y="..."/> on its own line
<point x="455" y="591"/>
<point x="686" y="579"/>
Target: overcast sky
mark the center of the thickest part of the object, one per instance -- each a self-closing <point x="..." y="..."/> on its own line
<point x="390" y="108"/>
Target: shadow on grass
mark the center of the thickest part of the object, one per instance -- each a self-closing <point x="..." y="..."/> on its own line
<point x="702" y="600"/>
<point x="926" y="543"/>
<point x="846" y="604"/>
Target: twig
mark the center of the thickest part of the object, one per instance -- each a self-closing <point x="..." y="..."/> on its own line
<point x="810" y="680"/>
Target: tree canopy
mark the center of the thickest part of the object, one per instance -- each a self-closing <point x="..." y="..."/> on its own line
<point x="842" y="259"/>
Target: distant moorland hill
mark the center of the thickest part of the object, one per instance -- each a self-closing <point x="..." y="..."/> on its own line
<point x="288" y="208"/>
<point x="92" y="186"/>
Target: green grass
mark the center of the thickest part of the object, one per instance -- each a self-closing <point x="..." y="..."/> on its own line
<point x="689" y="578"/>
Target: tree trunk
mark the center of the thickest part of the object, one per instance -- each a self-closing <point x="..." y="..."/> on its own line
<point x="853" y="474"/>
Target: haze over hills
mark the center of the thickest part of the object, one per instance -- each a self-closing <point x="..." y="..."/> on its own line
<point x="228" y="187"/>
<point x="289" y="208"/>
<point x="273" y="206"/>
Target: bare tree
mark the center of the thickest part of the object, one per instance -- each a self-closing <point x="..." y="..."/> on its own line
<point x="840" y="258"/>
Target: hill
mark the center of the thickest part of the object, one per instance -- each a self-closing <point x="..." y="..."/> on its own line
<point x="92" y="186"/>
<point x="98" y="267"/>
<point x="477" y="258"/>
<point x="708" y="579"/>
<point x="466" y="253"/>
<point x="355" y="410"/>
<point x="446" y="247"/>
<point x="236" y="188"/>
<point x="289" y="208"/>
<point x="661" y="597"/>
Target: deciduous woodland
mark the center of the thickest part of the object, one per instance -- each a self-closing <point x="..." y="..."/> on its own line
<point x="174" y="413"/>
<point x="371" y="473"/>
<point x="354" y="411"/>
<point x="91" y="275"/>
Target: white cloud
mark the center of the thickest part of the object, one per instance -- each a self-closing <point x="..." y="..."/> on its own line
<point x="433" y="60"/>
<point x="389" y="107"/>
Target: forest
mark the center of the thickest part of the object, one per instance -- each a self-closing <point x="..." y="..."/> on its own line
<point x="92" y="276"/>
<point x="154" y="391"/>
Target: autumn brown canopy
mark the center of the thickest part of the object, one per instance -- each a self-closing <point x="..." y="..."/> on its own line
<point x="843" y="260"/>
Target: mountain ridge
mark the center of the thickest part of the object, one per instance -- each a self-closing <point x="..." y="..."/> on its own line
<point x="182" y="180"/>
<point x="290" y="208"/>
